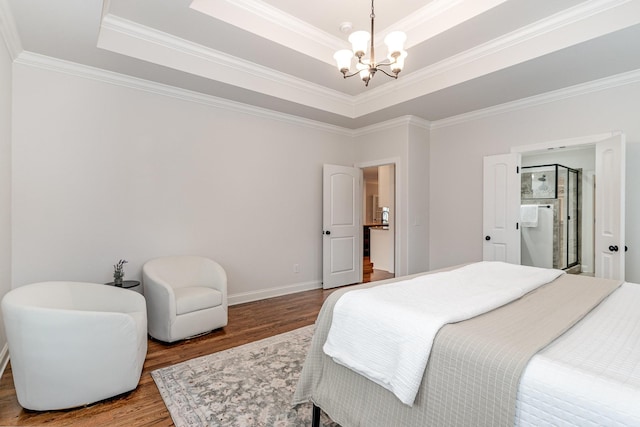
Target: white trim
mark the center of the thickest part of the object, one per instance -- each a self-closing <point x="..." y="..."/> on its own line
<point x="568" y="27"/>
<point x="9" y="30"/>
<point x="4" y="358"/>
<point x="621" y="79"/>
<point x="271" y="23"/>
<point x="399" y="229"/>
<point x="244" y="297"/>
<point x="36" y="60"/>
<point x="132" y="39"/>
<point x="513" y="48"/>
<point x="71" y="68"/>
<point x="393" y="123"/>
<point x="576" y="142"/>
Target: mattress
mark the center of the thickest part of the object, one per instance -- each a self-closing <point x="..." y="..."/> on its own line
<point x="591" y="375"/>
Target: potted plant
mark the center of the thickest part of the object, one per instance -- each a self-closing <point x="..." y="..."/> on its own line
<point x="118" y="272"/>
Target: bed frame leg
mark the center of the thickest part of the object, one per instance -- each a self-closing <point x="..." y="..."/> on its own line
<point x="315" y="418"/>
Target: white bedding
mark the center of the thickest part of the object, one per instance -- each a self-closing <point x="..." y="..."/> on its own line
<point x="591" y="375"/>
<point x="385" y="333"/>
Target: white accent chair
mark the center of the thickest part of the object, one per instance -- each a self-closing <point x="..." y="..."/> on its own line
<point x="186" y="296"/>
<point x="73" y="343"/>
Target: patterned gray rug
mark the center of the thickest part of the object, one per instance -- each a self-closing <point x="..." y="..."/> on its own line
<point x="250" y="385"/>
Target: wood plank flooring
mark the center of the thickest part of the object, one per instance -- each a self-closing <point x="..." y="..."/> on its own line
<point x="144" y="406"/>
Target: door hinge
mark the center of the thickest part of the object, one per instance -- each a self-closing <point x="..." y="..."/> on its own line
<point x="517" y="225"/>
<point x="517" y="169"/>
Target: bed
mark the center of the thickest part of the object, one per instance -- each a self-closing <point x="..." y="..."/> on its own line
<point x="588" y="373"/>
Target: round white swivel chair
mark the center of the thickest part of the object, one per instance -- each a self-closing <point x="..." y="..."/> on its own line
<point x="72" y="343"/>
<point x="186" y="296"/>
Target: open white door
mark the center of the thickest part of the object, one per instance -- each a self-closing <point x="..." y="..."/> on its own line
<point x="341" y="223"/>
<point x="610" y="207"/>
<point x="501" y="208"/>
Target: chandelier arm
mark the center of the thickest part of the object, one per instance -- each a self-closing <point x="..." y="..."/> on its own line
<point x="385" y="64"/>
<point x="351" y="75"/>
<point x="393" y="76"/>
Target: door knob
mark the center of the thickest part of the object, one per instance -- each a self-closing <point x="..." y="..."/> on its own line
<point x="487" y="238"/>
<point x="327" y="232"/>
<point x="613" y="248"/>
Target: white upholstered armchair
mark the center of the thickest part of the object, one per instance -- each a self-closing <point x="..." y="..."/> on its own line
<point x="72" y="343"/>
<point x="186" y="296"/>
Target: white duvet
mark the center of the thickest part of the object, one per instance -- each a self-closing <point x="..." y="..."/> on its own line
<point x="385" y="333"/>
<point x="590" y="376"/>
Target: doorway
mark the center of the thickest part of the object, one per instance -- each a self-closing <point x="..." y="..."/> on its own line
<point x="570" y="217"/>
<point x="379" y="222"/>
<point x="609" y="198"/>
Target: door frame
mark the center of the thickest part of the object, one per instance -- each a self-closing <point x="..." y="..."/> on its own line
<point x="588" y="140"/>
<point x="577" y="142"/>
<point x="399" y="211"/>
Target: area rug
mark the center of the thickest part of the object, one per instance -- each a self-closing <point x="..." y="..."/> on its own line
<point x="250" y="385"/>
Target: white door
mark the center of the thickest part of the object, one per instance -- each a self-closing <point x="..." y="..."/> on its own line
<point x="501" y="208"/>
<point x="610" y="206"/>
<point x="341" y="226"/>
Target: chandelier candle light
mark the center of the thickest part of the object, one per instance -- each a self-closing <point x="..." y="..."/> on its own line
<point x="366" y="68"/>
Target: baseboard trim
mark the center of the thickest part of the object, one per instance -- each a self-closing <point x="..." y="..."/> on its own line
<point x="272" y="292"/>
<point x="4" y="358"/>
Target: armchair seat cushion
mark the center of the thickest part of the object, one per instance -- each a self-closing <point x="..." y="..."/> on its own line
<point x="194" y="298"/>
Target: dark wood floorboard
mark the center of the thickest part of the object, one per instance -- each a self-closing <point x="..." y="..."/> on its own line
<point x="144" y="406"/>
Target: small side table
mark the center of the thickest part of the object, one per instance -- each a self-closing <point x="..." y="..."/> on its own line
<point x="132" y="285"/>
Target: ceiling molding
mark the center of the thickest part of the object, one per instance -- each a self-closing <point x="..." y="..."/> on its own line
<point x="132" y="39"/>
<point x="392" y="124"/>
<point x="437" y="17"/>
<point x="273" y="24"/>
<point x="567" y="28"/>
<point x="9" y="30"/>
<point x="631" y="77"/>
<point x="571" y="26"/>
<point x="35" y="60"/>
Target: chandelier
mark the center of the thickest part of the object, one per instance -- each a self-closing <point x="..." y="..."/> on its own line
<point x="367" y="68"/>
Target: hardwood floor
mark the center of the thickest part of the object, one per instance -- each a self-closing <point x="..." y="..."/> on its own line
<point x="144" y="406"/>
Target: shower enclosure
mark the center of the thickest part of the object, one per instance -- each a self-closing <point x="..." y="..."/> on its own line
<point x="551" y="217"/>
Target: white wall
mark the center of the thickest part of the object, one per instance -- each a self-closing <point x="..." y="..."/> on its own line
<point x="5" y="184"/>
<point x="457" y="151"/>
<point x="103" y="172"/>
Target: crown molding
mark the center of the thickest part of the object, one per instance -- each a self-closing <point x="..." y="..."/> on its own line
<point x="31" y="59"/>
<point x="269" y="22"/>
<point x="573" y="25"/>
<point x="9" y="30"/>
<point x="132" y="39"/>
<point x="631" y="77"/>
<point x="393" y="123"/>
<point x="577" y="24"/>
<point x="71" y="68"/>
<point x="436" y="17"/>
<point x="35" y="60"/>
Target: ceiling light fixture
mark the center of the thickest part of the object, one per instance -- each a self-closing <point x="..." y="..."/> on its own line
<point x="366" y="68"/>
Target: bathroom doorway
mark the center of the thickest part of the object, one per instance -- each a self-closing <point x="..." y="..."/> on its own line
<point x="379" y="225"/>
<point x="557" y="195"/>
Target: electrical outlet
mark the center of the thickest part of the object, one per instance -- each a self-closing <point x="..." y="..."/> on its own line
<point x="296" y="268"/>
